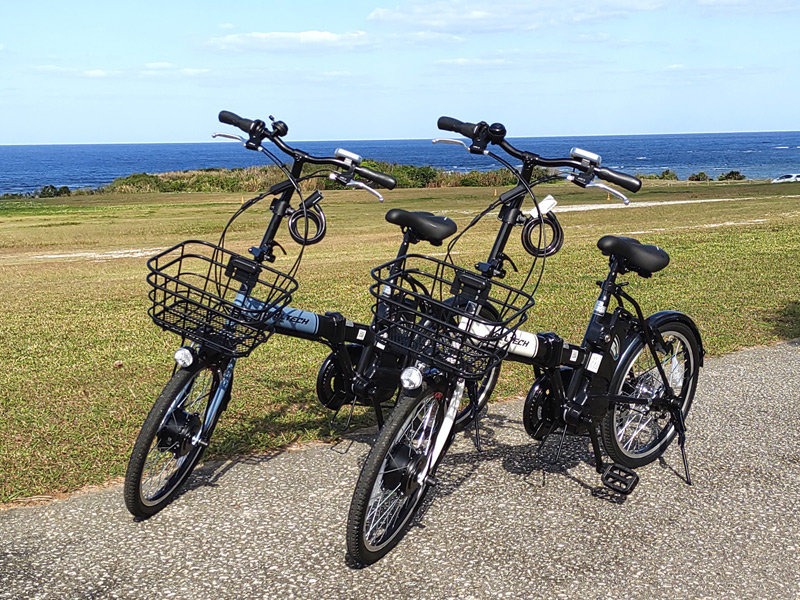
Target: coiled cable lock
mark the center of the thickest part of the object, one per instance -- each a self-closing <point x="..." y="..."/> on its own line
<point x="307" y="214"/>
<point x="532" y="236"/>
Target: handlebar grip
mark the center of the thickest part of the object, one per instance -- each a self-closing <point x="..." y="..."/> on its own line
<point x="451" y="124"/>
<point x="382" y="179"/>
<point x="230" y="118"/>
<point x="629" y="182"/>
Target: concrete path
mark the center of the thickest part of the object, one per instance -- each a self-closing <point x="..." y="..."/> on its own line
<point x="501" y="524"/>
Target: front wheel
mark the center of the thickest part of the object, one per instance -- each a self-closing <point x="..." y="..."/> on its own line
<point x="637" y="434"/>
<point x="169" y="444"/>
<point x="396" y="474"/>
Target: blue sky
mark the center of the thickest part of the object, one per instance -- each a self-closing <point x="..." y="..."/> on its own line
<point x="91" y="72"/>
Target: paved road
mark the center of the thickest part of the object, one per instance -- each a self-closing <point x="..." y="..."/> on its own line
<point x="501" y="524"/>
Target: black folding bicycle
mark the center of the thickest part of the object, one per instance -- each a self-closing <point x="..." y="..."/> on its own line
<point x="630" y="382"/>
<point x="224" y="305"/>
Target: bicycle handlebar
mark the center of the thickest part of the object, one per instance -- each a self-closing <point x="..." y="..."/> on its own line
<point x="629" y="182"/>
<point x="382" y="179"/>
<point x="482" y="134"/>
<point x="468" y="130"/>
<point x="230" y="118"/>
<point x="257" y="130"/>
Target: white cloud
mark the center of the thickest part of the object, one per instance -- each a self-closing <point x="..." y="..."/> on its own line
<point x="226" y="26"/>
<point x="475" y="62"/>
<point x="751" y="6"/>
<point x="99" y="73"/>
<point x="286" y="41"/>
<point x="505" y="15"/>
<point x="429" y="37"/>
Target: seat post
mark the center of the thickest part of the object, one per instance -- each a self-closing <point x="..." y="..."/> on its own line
<point x="408" y="239"/>
<point x="607" y="287"/>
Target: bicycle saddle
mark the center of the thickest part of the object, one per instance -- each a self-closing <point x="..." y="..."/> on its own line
<point x="641" y="258"/>
<point x="425" y="226"/>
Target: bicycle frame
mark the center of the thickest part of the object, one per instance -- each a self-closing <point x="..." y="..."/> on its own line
<point x="584" y="398"/>
<point x="256" y="315"/>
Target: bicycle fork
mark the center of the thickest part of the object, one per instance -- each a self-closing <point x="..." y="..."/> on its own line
<point x="444" y="437"/>
<point x="217" y="404"/>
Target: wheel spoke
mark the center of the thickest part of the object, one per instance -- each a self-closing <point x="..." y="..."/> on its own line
<point x="643" y="429"/>
<point x="396" y="484"/>
<point x="377" y="520"/>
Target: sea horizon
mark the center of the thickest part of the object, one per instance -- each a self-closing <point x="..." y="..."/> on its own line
<point x="25" y="168"/>
<point x="409" y="139"/>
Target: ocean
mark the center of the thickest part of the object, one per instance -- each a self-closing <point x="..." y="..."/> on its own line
<point x="763" y="155"/>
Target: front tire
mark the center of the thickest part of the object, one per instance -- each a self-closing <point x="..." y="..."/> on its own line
<point x="168" y="447"/>
<point x="391" y="486"/>
<point x="635" y="435"/>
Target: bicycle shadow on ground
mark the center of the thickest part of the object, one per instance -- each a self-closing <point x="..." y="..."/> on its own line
<point x="240" y="439"/>
<point x="786" y="322"/>
<point x="533" y="464"/>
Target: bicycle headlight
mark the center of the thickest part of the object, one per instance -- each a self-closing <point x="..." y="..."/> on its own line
<point x="411" y="378"/>
<point x="184" y="357"/>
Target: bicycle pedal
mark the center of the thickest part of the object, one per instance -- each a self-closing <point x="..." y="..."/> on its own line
<point x="619" y="478"/>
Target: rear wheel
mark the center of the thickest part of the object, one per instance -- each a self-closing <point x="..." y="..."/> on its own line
<point x="637" y="434"/>
<point x="396" y="474"/>
<point x="168" y="446"/>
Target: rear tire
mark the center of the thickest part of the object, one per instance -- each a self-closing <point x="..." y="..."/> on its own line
<point x="167" y="450"/>
<point x="389" y="491"/>
<point x="636" y="435"/>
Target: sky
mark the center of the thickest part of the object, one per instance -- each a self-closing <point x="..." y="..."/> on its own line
<point x="145" y="71"/>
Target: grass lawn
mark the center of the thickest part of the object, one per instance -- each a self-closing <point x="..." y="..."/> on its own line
<point x="82" y="363"/>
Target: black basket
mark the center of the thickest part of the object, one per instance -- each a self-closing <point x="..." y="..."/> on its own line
<point x="216" y="297"/>
<point x="445" y="316"/>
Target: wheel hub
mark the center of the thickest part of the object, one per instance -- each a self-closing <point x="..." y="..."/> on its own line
<point x="177" y="435"/>
<point x="403" y="468"/>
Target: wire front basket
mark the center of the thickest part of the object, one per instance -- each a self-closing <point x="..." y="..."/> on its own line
<point x="212" y="296"/>
<point x="445" y="316"/>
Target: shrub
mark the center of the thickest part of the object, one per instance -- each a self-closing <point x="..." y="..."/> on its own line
<point x="701" y="176"/>
<point x="731" y="176"/>
<point x="668" y="174"/>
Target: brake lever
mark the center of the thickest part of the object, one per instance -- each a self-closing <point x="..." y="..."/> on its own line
<point x="610" y="190"/>
<point x="458" y="143"/>
<point x="363" y="186"/>
<point x="604" y="187"/>
<point x="230" y="136"/>
<point x="449" y="141"/>
<point x="339" y="178"/>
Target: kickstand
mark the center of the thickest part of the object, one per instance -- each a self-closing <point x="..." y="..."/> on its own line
<point x="333" y="424"/>
<point x="680" y="427"/>
<point x="477" y="433"/>
<point x="560" y="445"/>
<point x="598" y="456"/>
<point x="474" y="408"/>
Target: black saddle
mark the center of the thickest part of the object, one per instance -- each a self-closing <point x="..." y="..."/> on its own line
<point x="635" y="256"/>
<point x="425" y="226"/>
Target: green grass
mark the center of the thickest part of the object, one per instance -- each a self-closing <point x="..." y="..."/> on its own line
<point x="82" y="363"/>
